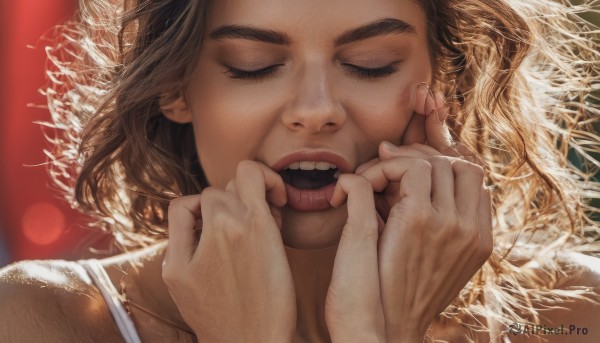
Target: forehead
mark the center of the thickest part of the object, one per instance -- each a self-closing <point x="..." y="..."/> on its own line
<point x="312" y="18"/>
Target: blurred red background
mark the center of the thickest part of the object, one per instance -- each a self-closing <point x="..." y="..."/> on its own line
<point x="34" y="222"/>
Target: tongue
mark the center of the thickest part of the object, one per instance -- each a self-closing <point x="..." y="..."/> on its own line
<point x="313" y="179"/>
<point x="306" y="183"/>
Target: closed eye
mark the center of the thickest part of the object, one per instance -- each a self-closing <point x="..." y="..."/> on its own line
<point x="372" y="73"/>
<point x="265" y="73"/>
<point x="253" y="74"/>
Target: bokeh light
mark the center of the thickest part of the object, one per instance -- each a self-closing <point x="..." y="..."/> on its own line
<point x="43" y="223"/>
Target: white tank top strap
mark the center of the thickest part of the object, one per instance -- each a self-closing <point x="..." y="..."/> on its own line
<point x="112" y="298"/>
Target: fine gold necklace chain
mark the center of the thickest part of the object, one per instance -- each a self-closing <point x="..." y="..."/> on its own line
<point x="127" y="303"/>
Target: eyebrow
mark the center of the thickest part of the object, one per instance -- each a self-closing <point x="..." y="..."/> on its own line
<point x="377" y="28"/>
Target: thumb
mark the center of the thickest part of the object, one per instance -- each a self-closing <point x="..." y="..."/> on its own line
<point x="437" y="132"/>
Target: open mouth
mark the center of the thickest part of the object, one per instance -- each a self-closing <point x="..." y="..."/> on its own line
<point x="310" y="175"/>
<point x="309" y="179"/>
<point x="310" y="185"/>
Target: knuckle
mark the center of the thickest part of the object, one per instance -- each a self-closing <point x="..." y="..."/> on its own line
<point x="423" y="166"/>
<point x="424" y="214"/>
<point x="232" y="229"/>
<point x="472" y="168"/>
<point x="440" y="162"/>
<point x="210" y="193"/>
<point x="234" y="234"/>
<point x="176" y="203"/>
<point x="212" y="200"/>
<point x="451" y="221"/>
<point x="223" y="220"/>
<point x="180" y="203"/>
<point x="476" y="169"/>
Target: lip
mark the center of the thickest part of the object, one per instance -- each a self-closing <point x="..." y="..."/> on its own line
<point x="309" y="199"/>
<point x="313" y="156"/>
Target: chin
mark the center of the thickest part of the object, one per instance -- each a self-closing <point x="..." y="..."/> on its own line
<point x="312" y="229"/>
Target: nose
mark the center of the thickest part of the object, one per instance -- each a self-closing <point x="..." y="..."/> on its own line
<point x="313" y="108"/>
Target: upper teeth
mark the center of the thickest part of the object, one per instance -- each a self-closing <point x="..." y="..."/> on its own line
<point x="307" y="165"/>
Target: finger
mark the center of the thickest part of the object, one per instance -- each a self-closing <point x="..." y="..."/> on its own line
<point x="356" y="257"/>
<point x="357" y="251"/>
<point x="421" y="96"/>
<point x="387" y="150"/>
<point x="256" y="182"/>
<point x="366" y="166"/>
<point x="468" y="183"/>
<point x="397" y="170"/>
<point x="438" y="133"/>
<point x="231" y="187"/>
<point x="442" y="184"/>
<point x="183" y="214"/>
<point x="415" y="131"/>
<point x="357" y="192"/>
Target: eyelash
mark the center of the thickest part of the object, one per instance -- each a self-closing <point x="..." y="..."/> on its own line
<point x="253" y="74"/>
<point x="373" y="73"/>
<point x="267" y="72"/>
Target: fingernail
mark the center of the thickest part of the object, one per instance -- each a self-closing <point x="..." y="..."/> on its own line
<point x="360" y="169"/>
<point x="389" y="146"/>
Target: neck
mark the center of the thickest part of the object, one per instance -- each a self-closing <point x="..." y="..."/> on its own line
<point x="311" y="271"/>
<point x="141" y="273"/>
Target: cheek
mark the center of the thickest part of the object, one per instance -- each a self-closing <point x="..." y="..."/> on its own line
<point x="228" y="129"/>
<point x="383" y="113"/>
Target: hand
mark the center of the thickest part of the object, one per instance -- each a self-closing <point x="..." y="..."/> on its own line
<point x="437" y="222"/>
<point x="236" y="284"/>
<point x="353" y="310"/>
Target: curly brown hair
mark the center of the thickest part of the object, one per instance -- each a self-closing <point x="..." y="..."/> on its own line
<point x="521" y="77"/>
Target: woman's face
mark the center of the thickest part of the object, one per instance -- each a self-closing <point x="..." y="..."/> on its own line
<point x="311" y="90"/>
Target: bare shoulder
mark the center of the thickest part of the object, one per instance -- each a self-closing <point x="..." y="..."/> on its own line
<point x="576" y="320"/>
<point x="52" y="301"/>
